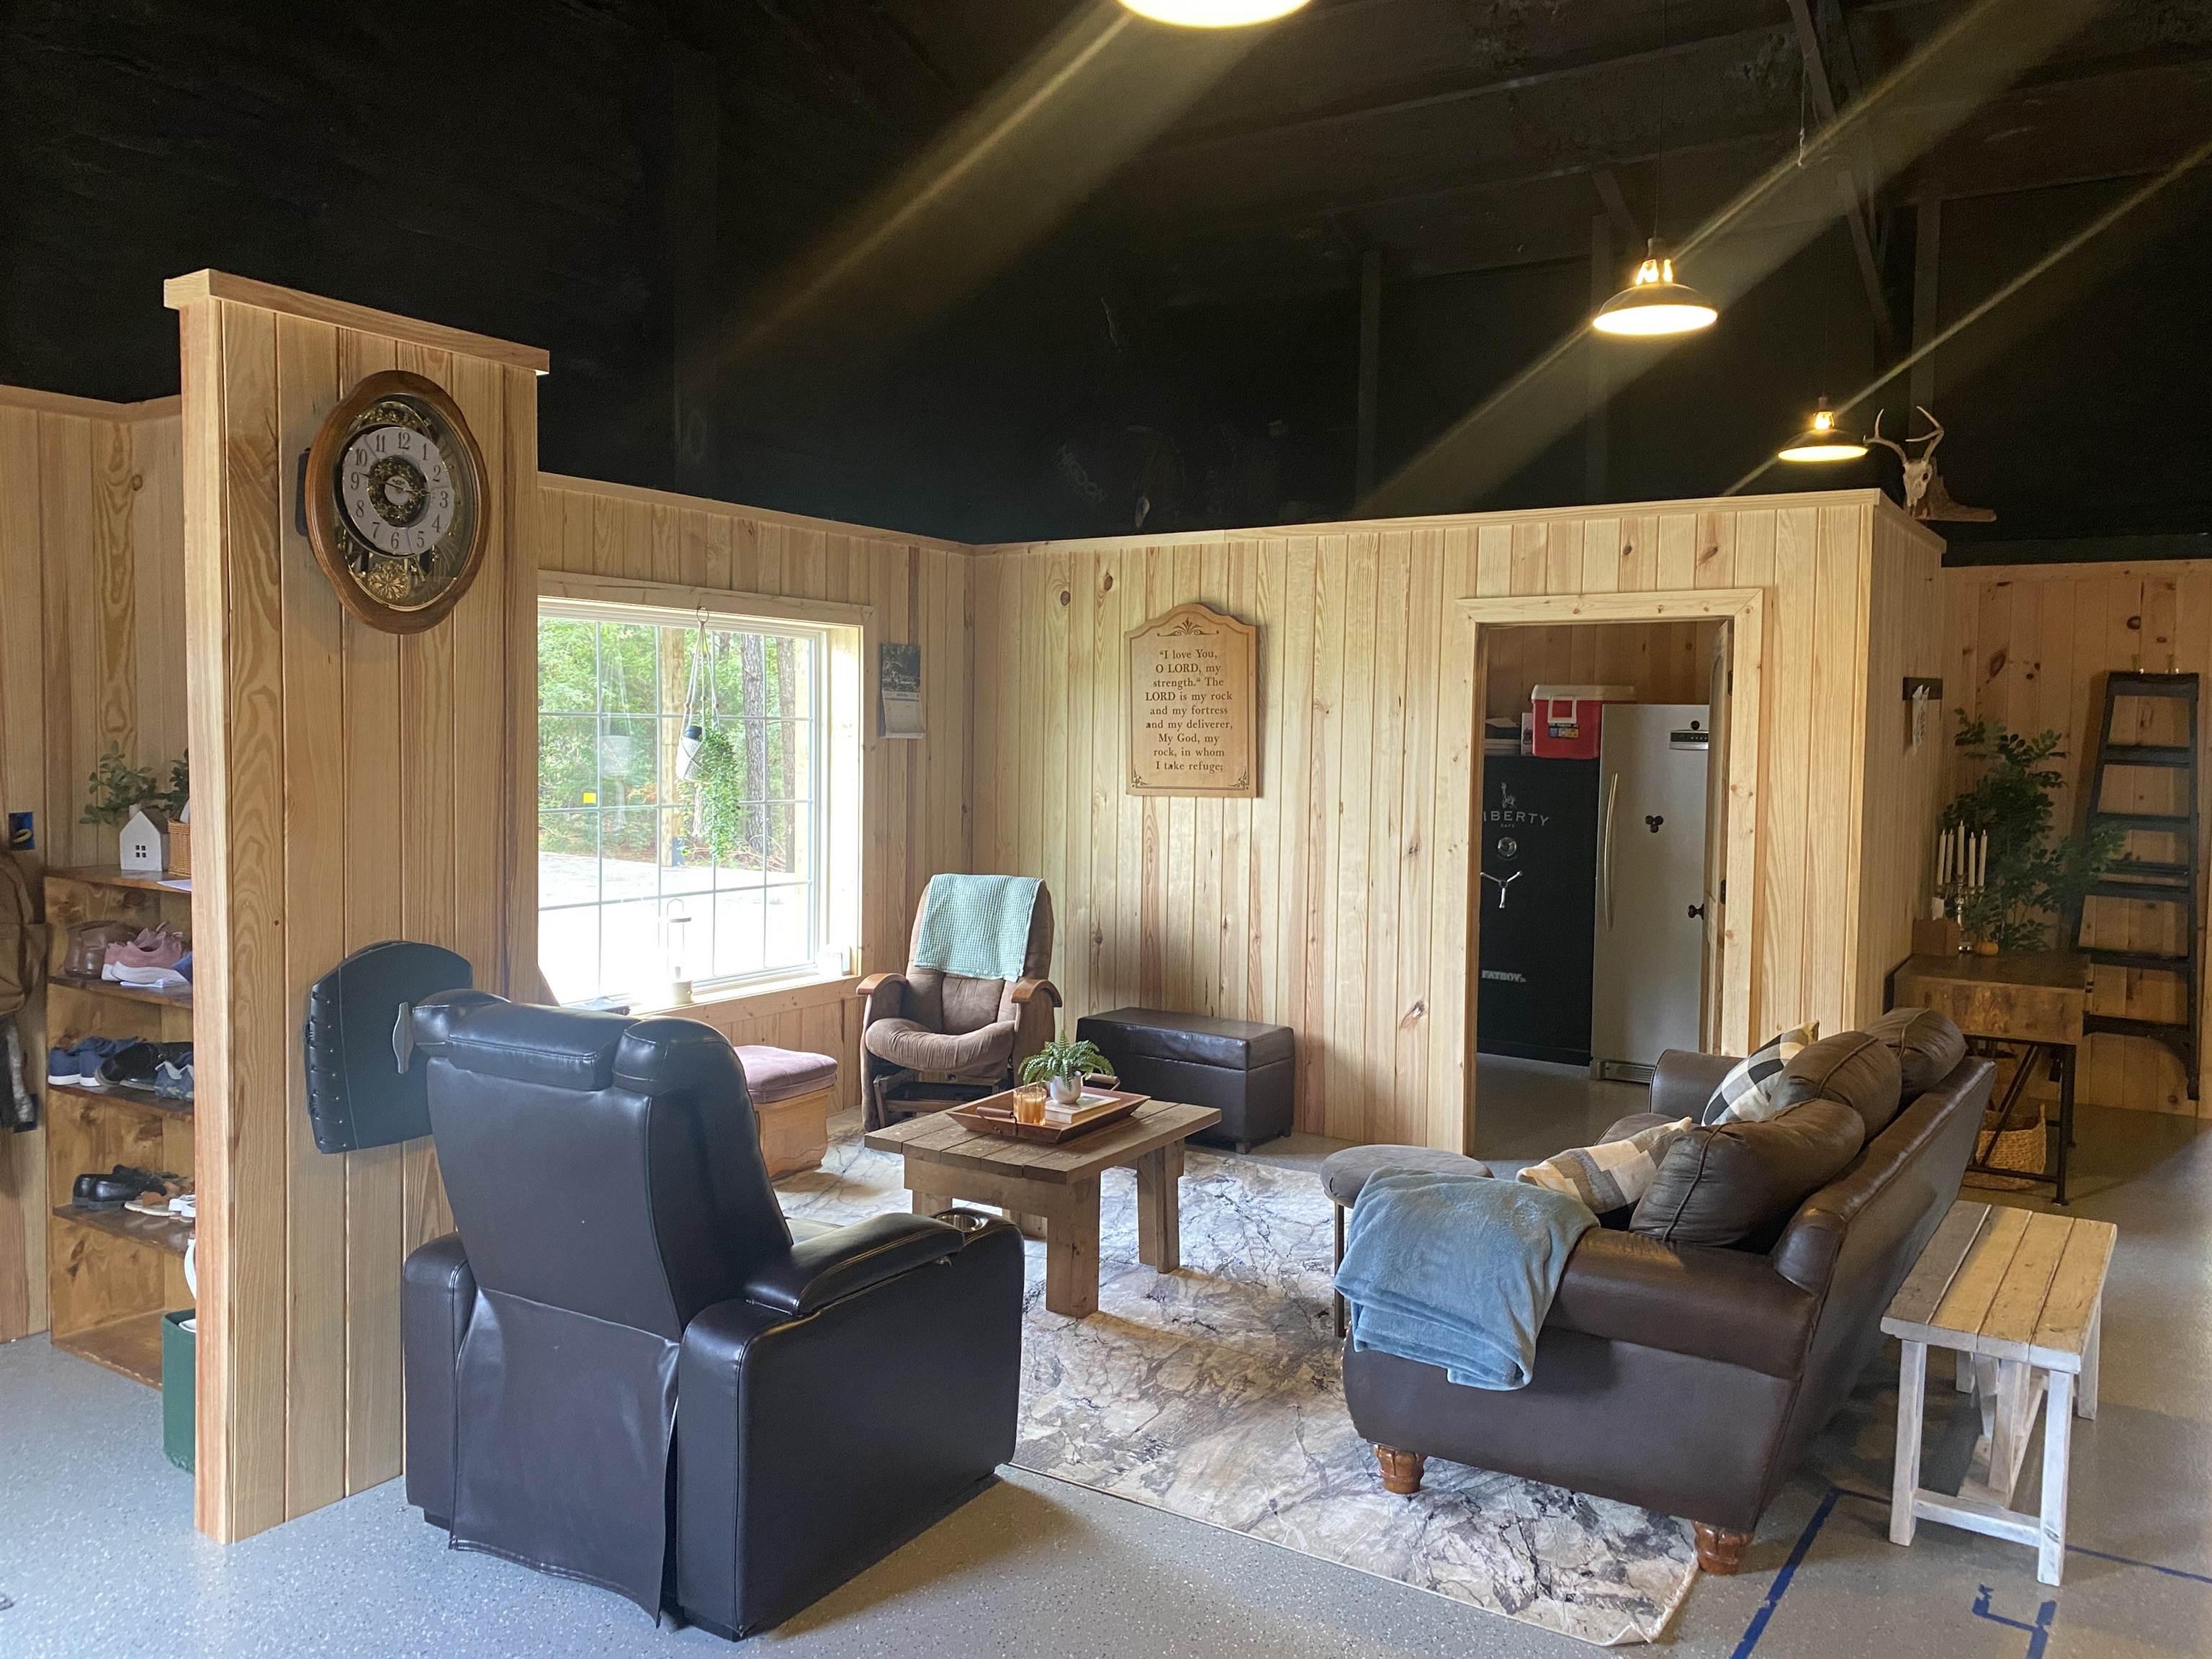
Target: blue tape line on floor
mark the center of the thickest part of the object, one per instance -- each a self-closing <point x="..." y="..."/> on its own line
<point x="2040" y="1630"/>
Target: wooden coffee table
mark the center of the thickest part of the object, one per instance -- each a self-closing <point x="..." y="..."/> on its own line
<point x="1059" y="1185"/>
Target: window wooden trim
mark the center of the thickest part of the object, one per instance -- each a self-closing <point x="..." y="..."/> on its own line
<point x="676" y="602"/>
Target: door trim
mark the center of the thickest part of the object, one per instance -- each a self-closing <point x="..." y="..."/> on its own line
<point x="1746" y="609"/>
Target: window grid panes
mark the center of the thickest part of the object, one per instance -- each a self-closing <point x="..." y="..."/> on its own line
<point x="645" y="876"/>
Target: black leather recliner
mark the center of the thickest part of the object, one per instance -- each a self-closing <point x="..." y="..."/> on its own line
<point x="620" y="1251"/>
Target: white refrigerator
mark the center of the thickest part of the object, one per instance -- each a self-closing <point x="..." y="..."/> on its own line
<point x="1647" y="981"/>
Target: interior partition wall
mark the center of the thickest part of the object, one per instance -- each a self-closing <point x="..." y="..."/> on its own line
<point x="1336" y="900"/>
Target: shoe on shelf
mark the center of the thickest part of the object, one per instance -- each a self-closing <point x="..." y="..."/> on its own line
<point x="158" y="946"/>
<point x="173" y="1081"/>
<point x="120" y="1186"/>
<point x="79" y="1064"/>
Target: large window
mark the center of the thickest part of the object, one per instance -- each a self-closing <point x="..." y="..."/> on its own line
<point x="652" y="863"/>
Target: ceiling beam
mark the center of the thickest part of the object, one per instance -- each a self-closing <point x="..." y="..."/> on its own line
<point x="1625" y="230"/>
<point x="1856" y="215"/>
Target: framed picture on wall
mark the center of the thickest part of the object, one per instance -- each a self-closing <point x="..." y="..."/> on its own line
<point x="898" y="686"/>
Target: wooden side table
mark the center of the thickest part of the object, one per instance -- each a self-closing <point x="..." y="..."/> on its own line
<point x="2019" y="1296"/>
<point x="945" y="1162"/>
<point x="2035" y="998"/>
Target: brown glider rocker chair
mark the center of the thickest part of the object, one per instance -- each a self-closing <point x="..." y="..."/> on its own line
<point x="970" y="1007"/>
<point x="620" y="1249"/>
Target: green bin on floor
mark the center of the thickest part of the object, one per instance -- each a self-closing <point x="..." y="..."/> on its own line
<point x="180" y="1346"/>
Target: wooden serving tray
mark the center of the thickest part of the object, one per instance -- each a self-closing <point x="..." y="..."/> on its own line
<point x="994" y="1115"/>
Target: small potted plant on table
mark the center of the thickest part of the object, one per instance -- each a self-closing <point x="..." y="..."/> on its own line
<point x="1061" y="1067"/>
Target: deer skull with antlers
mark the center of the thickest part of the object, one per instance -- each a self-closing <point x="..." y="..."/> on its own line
<point x="1925" y="498"/>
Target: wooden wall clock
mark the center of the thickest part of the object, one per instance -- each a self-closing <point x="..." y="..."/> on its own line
<point x="393" y="487"/>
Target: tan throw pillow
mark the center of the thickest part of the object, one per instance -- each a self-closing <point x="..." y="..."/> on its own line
<point x="1752" y="1090"/>
<point x="1611" y="1175"/>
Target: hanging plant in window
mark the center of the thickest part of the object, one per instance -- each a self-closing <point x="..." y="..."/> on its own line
<point x="2034" y="879"/>
<point x="721" y="816"/>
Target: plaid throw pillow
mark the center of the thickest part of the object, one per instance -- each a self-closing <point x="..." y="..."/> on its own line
<point x="1751" y="1091"/>
<point x="1611" y="1174"/>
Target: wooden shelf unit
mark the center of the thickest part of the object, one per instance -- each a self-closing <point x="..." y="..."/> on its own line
<point x="110" y="1273"/>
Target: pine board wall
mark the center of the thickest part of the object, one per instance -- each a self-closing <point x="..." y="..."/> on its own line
<point x="350" y="785"/>
<point x="2030" y="645"/>
<point x="1336" y="902"/>
<point x="91" y="653"/>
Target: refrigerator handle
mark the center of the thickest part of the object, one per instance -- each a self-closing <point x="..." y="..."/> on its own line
<point x="1605" y="850"/>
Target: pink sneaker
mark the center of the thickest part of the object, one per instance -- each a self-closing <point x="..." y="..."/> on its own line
<point x="156" y="947"/>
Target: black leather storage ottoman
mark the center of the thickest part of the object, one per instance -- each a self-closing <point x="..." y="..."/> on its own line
<point x="1243" y="1070"/>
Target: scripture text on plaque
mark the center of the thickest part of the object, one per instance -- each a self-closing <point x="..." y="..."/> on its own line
<point x="1194" y="697"/>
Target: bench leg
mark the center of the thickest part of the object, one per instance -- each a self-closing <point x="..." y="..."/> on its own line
<point x="2084" y="1397"/>
<point x="2058" y="1442"/>
<point x="1905" y="1479"/>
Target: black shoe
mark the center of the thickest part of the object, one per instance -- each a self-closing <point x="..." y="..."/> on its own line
<point x="133" y="1067"/>
<point x="100" y="1192"/>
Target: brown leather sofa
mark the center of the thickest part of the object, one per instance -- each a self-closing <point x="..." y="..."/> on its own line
<point x="1688" y="1378"/>
<point x="619" y="1250"/>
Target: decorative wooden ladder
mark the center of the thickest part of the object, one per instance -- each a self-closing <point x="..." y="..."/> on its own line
<point x="2150" y="881"/>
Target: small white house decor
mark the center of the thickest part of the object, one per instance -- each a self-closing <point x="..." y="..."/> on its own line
<point x="144" y="849"/>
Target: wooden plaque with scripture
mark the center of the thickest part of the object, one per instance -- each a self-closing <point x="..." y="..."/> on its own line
<point x="1194" y="705"/>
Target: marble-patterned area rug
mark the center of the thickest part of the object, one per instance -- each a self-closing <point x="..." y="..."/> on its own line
<point x="1215" y="1393"/>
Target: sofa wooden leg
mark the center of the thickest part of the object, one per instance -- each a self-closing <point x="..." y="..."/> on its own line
<point x="1401" y="1470"/>
<point x="1720" y="1551"/>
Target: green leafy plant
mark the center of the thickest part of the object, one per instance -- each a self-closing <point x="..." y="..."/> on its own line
<point x="2036" y="878"/>
<point x="119" y="789"/>
<point x="1068" y="1061"/>
<point x="724" y="819"/>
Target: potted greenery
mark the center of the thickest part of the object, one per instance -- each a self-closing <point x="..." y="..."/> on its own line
<point x="2034" y="878"/>
<point x="119" y="789"/>
<point x="1061" y="1067"/>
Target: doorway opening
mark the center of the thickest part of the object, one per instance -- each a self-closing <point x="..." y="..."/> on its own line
<point x="1613" y="851"/>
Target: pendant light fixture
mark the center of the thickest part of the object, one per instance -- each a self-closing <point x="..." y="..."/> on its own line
<point x="1653" y="303"/>
<point x="1212" y="14"/>
<point x="1823" y="441"/>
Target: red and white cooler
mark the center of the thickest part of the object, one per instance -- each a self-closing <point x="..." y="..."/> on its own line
<point x="1566" y="719"/>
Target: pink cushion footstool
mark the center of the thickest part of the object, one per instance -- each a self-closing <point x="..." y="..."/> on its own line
<point x="793" y="1093"/>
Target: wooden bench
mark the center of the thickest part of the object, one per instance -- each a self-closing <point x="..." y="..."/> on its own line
<point x="2019" y="1296"/>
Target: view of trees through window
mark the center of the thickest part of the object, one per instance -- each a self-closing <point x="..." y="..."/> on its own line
<point x="644" y="873"/>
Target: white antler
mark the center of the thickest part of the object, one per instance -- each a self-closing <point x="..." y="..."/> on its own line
<point x="1935" y="437"/>
<point x="1890" y="444"/>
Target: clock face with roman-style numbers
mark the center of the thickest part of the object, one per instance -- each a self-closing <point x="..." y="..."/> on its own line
<point x="395" y="481"/>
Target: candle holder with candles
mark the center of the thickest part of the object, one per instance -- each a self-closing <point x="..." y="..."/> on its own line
<point x="2001" y="870"/>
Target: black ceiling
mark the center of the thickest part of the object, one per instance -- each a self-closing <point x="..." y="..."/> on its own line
<point x="1028" y="262"/>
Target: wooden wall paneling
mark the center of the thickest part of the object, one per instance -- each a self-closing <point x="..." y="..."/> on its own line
<point x="313" y="718"/>
<point x="2031" y="646"/>
<point x="22" y="788"/>
<point x="376" y="1203"/>
<point x="1338" y="901"/>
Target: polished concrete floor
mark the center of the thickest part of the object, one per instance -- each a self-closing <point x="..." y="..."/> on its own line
<point x="97" y="1554"/>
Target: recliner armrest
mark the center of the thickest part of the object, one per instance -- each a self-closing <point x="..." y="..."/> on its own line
<point x="816" y="1272"/>
<point x="1026" y="988"/>
<point x="881" y="996"/>
<point x="1729" y="1306"/>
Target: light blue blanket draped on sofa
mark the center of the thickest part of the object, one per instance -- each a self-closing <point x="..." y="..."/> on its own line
<point x="1457" y="1271"/>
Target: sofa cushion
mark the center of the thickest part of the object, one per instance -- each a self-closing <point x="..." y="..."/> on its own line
<point x="1738" y="1183"/>
<point x="1616" y="1172"/>
<point x="903" y="1042"/>
<point x="1854" y="1067"/>
<point x="1928" y="1046"/>
<point x="1752" y="1086"/>
<point x="1241" y="1045"/>
<point x="1343" y="1174"/>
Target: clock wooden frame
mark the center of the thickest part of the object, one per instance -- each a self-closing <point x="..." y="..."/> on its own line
<point x="328" y="534"/>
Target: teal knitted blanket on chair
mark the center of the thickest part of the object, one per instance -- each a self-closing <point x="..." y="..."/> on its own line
<point x="978" y="925"/>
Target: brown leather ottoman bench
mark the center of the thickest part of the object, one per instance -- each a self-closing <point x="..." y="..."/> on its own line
<point x="1244" y="1071"/>
<point x="793" y="1093"/>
